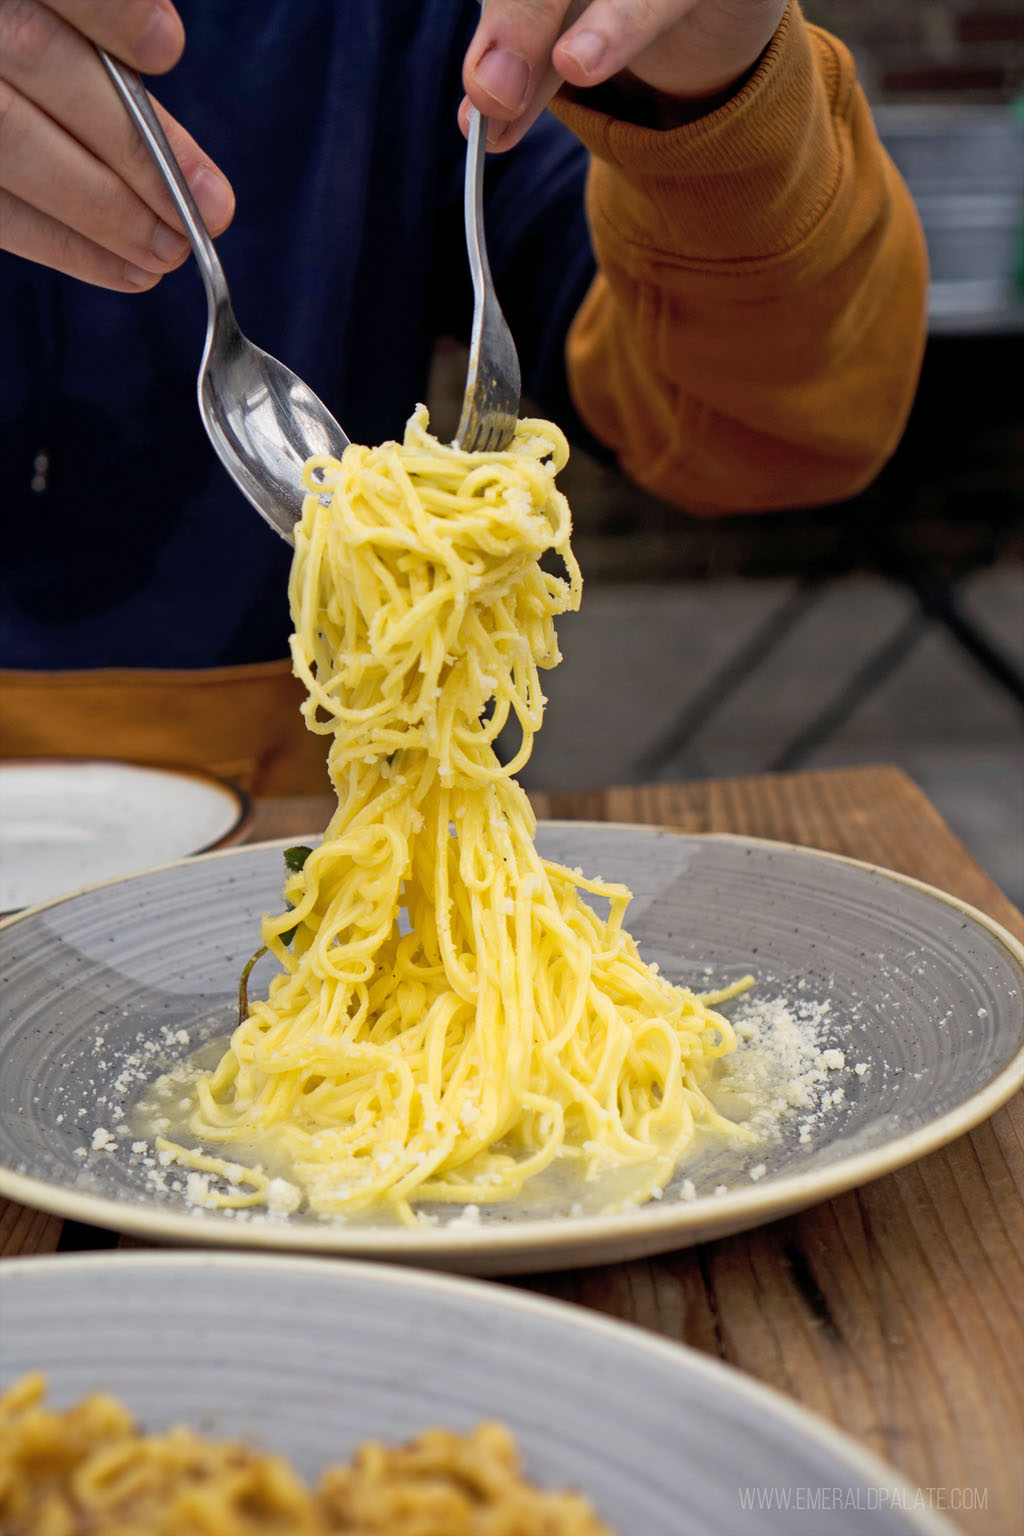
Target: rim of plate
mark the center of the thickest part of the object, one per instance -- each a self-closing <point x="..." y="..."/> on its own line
<point x="763" y="1202"/>
<point x="858" y="1459"/>
<point x="239" y="797"/>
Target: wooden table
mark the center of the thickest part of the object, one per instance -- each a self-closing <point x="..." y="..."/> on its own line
<point x="897" y="1310"/>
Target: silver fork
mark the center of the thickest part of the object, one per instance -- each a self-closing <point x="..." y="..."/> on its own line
<point x="491" y="402"/>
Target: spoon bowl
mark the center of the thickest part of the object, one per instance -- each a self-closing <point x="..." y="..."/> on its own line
<point x="263" y="421"/>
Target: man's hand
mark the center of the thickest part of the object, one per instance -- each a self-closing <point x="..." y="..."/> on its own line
<point x="690" y="50"/>
<point x="78" y="190"/>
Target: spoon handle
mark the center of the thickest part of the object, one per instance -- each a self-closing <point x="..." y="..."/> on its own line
<point x="134" y="95"/>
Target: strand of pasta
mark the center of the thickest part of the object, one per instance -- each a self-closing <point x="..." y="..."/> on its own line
<point x="505" y="1024"/>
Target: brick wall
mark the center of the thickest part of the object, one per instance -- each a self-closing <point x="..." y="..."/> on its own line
<point x="970" y="51"/>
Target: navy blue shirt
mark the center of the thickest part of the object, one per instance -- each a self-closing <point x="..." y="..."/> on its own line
<point x="336" y="122"/>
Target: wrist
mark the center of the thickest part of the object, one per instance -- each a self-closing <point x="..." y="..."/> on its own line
<point x="720" y="189"/>
<point x="631" y="100"/>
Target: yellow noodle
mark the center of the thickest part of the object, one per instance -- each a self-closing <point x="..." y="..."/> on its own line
<point x="501" y="1024"/>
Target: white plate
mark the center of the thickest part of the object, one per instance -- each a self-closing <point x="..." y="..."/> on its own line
<point x="101" y="990"/>
<point x="65" y="823"/>
<point x="309" y="1358"/>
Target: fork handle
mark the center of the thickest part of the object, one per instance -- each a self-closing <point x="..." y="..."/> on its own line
<point x="135" y="97"/>
<point x="473" y="200"/>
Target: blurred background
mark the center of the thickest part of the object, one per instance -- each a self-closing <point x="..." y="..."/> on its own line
<point x="886" y="629"/>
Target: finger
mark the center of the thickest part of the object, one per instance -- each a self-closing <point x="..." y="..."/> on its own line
<point x="610" y="34"/>
<point x="510" y="55"/>
<point x="54" y="66"/>
<point x="25" y="231"/>
<point x="145" y="33"/>
<point x="43" y="166"/>
<point x="207" y="182"/>
<point x="502" y="136"/>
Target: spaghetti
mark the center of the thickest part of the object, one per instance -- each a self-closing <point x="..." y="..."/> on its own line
<point x="452" y="1017"/>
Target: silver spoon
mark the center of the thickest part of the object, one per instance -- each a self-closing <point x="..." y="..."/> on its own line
<point x="263" y="422"/>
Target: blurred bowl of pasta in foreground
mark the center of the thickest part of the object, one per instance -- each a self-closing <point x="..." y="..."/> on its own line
<point x="311" y="1359"/>
<point x="885" y="1019"/>
<point x="67" y="822"/>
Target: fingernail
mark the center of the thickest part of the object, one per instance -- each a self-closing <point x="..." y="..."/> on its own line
<point x="138" y="278"/>
<point x="587" y="48"/>
<point x="214" y="196"/>
<point x="160" y="44"/>
<point x="505" y="76"/>
<point x="167" y="245"/>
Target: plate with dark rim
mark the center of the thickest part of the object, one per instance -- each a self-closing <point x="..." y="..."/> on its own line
<point x="917" y="1002"/>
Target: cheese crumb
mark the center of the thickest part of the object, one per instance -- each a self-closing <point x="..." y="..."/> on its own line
<point x="282" y="1198"/>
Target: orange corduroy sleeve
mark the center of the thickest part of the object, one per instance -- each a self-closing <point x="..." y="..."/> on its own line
<point x="754" y="335"/>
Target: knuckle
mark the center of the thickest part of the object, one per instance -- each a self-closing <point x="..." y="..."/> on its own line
<point x="64" y="247"/>
<point x="550" y="11"/>
<point x="27" y="33"/>
<point x="183" y="147"/>
<point x="112" y="208"/>
<point x="539" y="19"/>
<point x="547" y="12"/>
<point x="645" y="17"/>
<point x="135" y="156"/>
<point x="9" y="133"/>
<point x="186" y="152"/>
<point x="528" y="26"/>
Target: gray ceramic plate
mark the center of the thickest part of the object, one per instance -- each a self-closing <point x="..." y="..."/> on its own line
<point x="309" y="1358"/>
<point x="101" y="990"/>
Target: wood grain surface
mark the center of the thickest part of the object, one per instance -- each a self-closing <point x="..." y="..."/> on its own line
<point x="897" y="1310"/>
